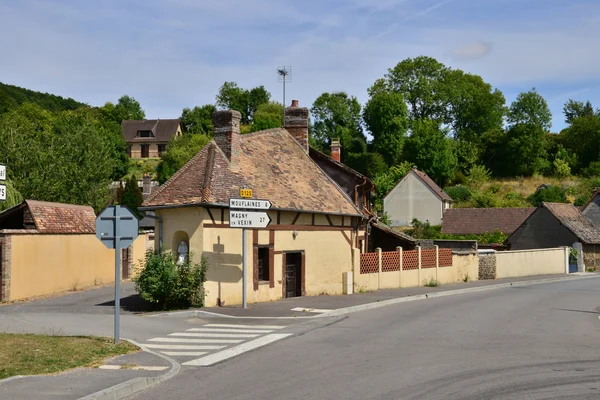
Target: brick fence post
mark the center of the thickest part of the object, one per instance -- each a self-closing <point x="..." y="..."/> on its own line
<point x="399" y="249"/>
<point x="378" y="268"/>
<point x="419" y="270"/>
<point x="437" y="261"/>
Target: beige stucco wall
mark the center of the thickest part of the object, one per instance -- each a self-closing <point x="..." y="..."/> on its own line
<point x="138" y="252"/>
<point x="517" y="263"/>
<point x="327" y="253"/>
<point x="411" y="198"/>
<point x="44" y="264"/>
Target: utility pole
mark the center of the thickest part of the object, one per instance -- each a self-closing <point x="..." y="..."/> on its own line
<point x="284" y="76"/>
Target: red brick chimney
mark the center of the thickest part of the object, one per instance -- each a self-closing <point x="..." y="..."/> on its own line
<point x="296" y="123"/>
<point x="336" y="150"/>
<point x="227" y="133"/>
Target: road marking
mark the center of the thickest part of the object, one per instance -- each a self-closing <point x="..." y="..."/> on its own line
<point x="215" y="335"/>
<point x="245" y="326"/>
<point x="184" y="353"/>
<point x="213" y="330"/>
<point x="110" y="367"/>
<point x="185" y="340"/>
<point x="136" y="368"/>
<point x="181" y="347"/>
<point x="315" y="310"/>
<point x="234" y="351"/>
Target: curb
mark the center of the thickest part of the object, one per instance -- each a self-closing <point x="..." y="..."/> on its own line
<point x="209" y="314"/>
<point x="369" y="306"/>
<point x="135" y="385"/>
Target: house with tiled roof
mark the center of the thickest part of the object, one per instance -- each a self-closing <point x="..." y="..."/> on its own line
<point x="49" y="247"/>
<point x="557" y="224"/>
<point x="476" y="221"/>
<point x="148" y="138"/>
<point x="312" y="242"/>
<point x="591" y="209"/>
<point x="416" y="195"/>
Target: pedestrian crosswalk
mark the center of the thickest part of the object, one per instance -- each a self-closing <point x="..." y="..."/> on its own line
<point x="214" y="343"/>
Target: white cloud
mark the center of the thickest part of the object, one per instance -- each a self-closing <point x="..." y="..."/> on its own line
<point x="471" y="51"/>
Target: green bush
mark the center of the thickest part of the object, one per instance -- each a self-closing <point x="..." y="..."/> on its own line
<point x="593" y="169"/>
<point x="168" y="285"/>
<point x="478" y="175"/>
<point x="561" y="168"/>
<point x="581" y="200"/>
<point x="495" y="188"/>
<point x="459" y="193"/>
<point x="484" y="200"/>
<point x="551" y="194"/>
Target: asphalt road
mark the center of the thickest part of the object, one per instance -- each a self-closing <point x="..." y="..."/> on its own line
<point x="529" y="342"/>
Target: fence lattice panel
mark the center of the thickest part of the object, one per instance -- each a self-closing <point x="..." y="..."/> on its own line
<point x="428" y="258"/>
<point x="445" y="257"/>
<point x="390" y="261"/>
<point x="369" y="263"/>
<point x="410" y="259"/>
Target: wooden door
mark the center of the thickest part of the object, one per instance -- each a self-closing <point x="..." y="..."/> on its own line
<point x="293" y="274"/>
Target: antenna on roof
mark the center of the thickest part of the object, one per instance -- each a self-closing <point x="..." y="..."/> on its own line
<point x="284" y="76"/>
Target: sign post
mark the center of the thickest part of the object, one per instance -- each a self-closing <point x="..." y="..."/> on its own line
<point x="241" y="215"/>
<point x="117" y="228"/>
<point x="3" y="193"/>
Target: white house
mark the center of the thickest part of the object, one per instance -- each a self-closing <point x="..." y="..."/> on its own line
<point x="416" y="196"/>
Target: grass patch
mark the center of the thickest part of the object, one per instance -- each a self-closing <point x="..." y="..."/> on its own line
<point x="38" y="354"/>
<point x="431" y="283"/>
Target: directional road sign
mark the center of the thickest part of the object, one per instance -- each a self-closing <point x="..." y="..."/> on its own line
<point x="2" y="192"/>
<point x="250" y="204"/>
<point x="248" y="219"/>
<point x="2" y="172"/>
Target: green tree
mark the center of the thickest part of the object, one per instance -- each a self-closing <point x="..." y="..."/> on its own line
<point x="421" y="82"/>
<point x="132" y="196"/>
<point x="12" y="97"/>
<point x="337" y="115"/>
<point x="385" y="181"/>
<point x="13" y="197"/>
<point x="430" y="149"/>
<point x="232" y="97"/>
<point x="198" y="119"/>
<point x="386" y="117"/>
<point x="583" y="139"/>
<point x="576" y="109"/>
<point x="267" y="115"/>
<point x="531" y="109"/>
<point x="367" y="163"/>
<point x="178" y="152"/>
<point x="127" y="108"/>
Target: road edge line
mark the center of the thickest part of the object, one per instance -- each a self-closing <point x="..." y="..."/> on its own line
<point x="135" y="385"/>
<point x="398" y="300"/>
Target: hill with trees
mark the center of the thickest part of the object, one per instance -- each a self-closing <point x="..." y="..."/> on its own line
<point x="12" y="97"/>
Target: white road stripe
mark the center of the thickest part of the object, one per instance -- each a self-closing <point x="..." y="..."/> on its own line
<point x="180" y="347"/>
<point x="234" y="351"/>
<point x="110" y="367"/>
<point x="315" y="310"/>
<point x="245" y="326"/>
<point x="215" y="335"/>
<point x="229" y="330"/>
<point x="136" y="368"/>
<point x="185" y="340"/>
<point x="184" y="353"/>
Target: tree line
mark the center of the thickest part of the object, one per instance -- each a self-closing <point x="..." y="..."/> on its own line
<point x="449" y="123"/>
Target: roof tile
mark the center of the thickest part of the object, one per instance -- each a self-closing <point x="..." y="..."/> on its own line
<point x="475" y="221"/>
<point x="572" y="218"/>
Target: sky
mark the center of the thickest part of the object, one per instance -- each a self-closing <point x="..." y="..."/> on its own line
<point x="171" y="54"/>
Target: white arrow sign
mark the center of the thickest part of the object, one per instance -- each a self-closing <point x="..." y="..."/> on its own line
<point x="2" y="192"/>
<point x="248" y="219"/>
<point x="250" y="203"/>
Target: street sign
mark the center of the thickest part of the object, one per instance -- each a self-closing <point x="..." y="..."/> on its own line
<point x="2" y="192"/>
<point x="117" y="228"/>
<point x="250" y="203"/>
<point x="248" y="219"/>
<point x="128" y="226"/>
<point x="246" y="193"/>
<point x="2" y="172"/>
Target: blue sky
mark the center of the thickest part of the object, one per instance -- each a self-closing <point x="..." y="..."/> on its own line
<point x="171" y="54"/>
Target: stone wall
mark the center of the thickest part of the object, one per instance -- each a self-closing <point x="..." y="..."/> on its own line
<point x="487" y="266"/>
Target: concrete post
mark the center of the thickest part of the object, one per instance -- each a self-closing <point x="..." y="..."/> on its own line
<point x="399" y="249"/>
<point x="419" y="270"/>
<point x="379" y="268"/>
<point x="566" y="260"/>
<point x="437" y="261"/>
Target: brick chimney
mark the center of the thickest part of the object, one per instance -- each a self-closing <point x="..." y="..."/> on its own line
<point x="296" y="123"/>
<point x="227" y="133"/>
<point x="336" y="150"/>
<point x="146" y="185"/>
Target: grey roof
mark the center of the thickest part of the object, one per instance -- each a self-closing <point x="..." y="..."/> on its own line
<point x="163" y="129"/>
<point x="572" y="219"/>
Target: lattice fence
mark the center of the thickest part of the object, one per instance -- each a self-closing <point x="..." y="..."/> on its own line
<point x="369" y="263"/>
<point x="390" y="261"/>
<point x="410" y="259"/>
<point x="428" y="258"/>
<point x="445" y="257"/>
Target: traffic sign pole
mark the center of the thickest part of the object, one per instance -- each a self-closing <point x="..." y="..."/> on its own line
<point x="117" y="277"/>
<point x="244" y="269"/>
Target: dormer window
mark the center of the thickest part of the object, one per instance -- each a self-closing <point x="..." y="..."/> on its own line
<point x="145" y="134"/>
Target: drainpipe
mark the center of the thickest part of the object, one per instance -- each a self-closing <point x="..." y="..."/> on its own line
<point x="160" y="229"/>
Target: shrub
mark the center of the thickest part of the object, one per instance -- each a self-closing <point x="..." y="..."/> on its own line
<point x="424" y="230"/>
<point x="459" y="193"/>
<point x="581" y="200"/>
<point x="593" y="169"/>
<point x="484" y="200"/>
<point x="478" y="175"/>
<point x="495" y="188"/>
<point x="561" y="168"/>
<point x="168" y="285"/>
<point x="552" y="194"/>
